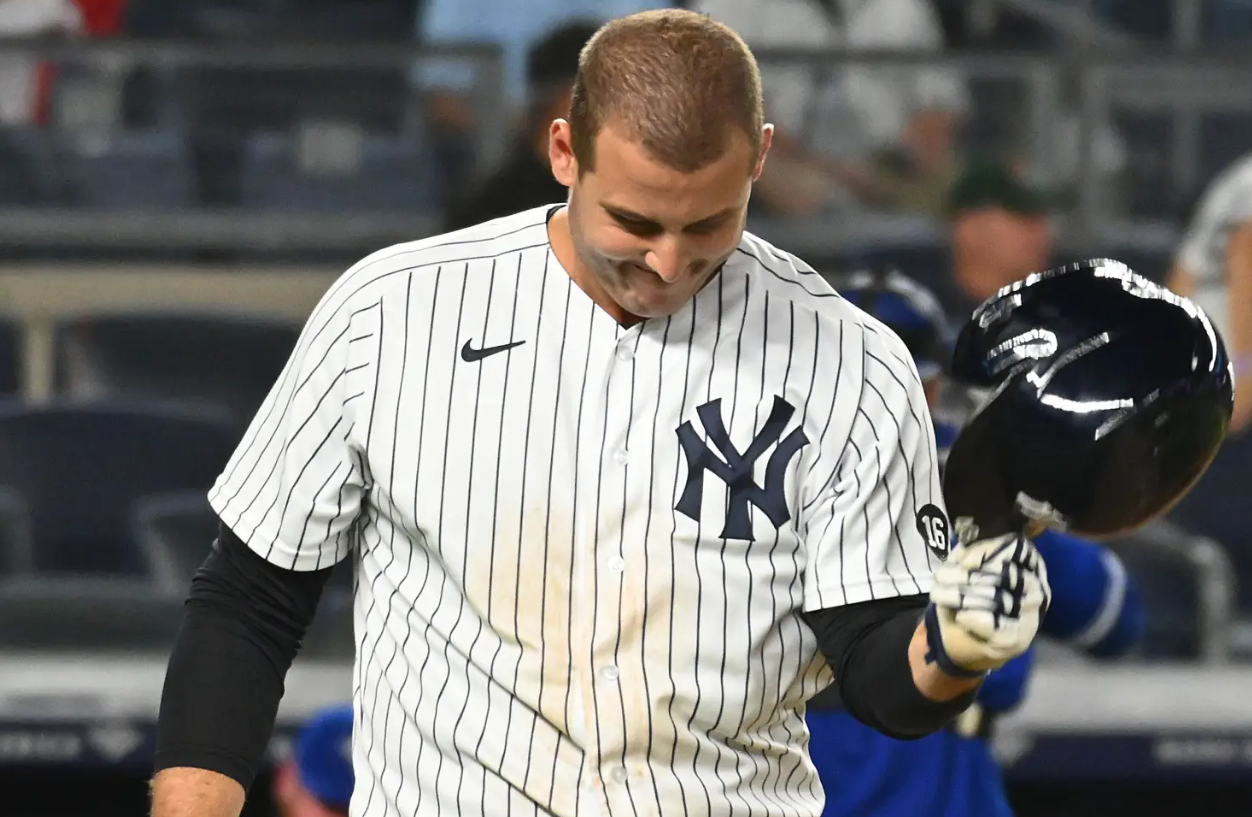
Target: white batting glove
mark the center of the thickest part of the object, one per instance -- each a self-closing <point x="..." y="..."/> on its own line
<point x="986" y="604"/>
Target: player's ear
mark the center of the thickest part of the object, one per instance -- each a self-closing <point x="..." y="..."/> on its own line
<point x="767" y="139"/>
<point x="561" y="153"/>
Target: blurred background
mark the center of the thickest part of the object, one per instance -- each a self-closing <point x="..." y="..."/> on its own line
<point x="180" y="181"/>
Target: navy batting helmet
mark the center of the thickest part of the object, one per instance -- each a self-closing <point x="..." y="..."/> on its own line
<point x="1108" y="398"/>
<point x="908" y="309"/>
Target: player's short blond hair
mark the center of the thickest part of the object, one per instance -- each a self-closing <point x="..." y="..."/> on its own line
<point x="676" y="81"/>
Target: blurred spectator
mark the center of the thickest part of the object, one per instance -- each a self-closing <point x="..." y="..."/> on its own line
<point x="21" y="77"/>
<point x="102" y="18"/>
<point x="317" y="780"/>
<point x="1214" y="267"/>
<point x="524" y="179"/>
<point x="514" y="27"/>
<point x="999" y="233"/>
<point x="881" y="136"/>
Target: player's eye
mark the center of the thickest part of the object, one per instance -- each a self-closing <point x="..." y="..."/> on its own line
<point x="636" y="226"/>
<point x="706" y="227"/>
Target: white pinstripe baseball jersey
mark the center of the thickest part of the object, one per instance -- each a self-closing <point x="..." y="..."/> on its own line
<point x="582" y="550"/>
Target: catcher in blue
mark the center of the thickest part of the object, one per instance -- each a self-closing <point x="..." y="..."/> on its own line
<point x="1095" y="607"/>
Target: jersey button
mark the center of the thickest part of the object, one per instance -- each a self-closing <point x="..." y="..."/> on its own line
<point x="616" y="564"/>
<point x="620" y="456"/>
<point x="610" y="673"/>
<point x="619" y="774"/>
<point x="625" y="353"/>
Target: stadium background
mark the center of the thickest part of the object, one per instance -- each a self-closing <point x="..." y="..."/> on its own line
<point x="180" y="182"/>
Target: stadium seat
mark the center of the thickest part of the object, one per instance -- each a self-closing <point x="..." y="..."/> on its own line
<point x="1228" y="23"/>
<point x="130" y="170"/>
<point x="226" y="360"/>
<point x="375" y="173"/>
<point x="1225" y="138"/>
<point x="1217" y="507"/>
<point x="79" y="468"/>
<point x="1186" y="587"/>
<point x="176" y="531"/>
<point x="330" y="637"/>
<point x="29" y="168"/>
<point x="11" y="348"/>
<point x="16" y="547"/>
<point x="86" y="613"/>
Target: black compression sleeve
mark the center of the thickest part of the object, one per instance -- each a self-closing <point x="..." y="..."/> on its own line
<point x="241" y="629"/>
<point x="867" y="645"/>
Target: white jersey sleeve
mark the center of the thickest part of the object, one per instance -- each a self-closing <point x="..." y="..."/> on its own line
<point x="1225" y="205"/>
<point x="875" y="525"/>
<point x="294" y="486"/>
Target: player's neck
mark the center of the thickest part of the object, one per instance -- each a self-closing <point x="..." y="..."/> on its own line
<point x="563" y="249"/>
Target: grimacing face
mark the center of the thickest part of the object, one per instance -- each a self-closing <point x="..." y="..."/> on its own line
<point x="650" y="236"/>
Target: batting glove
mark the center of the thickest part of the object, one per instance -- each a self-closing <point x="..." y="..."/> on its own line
<point x="985" y="605"/>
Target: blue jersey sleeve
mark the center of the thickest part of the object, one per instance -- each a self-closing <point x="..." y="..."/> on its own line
<point x="1096" y="606"/>
<point x="1004" y="688"/>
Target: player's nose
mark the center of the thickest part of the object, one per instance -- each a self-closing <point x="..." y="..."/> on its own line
<point x="667" y="260"/>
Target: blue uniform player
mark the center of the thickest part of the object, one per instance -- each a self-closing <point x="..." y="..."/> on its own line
<point x="317" y="780"/>
<point x="1095" y="608"/>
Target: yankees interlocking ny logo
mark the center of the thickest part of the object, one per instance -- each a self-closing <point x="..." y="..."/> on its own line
<point x="735" y="469"/>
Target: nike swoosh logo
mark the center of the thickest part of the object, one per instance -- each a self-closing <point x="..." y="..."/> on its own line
<point x="472" y="355"/>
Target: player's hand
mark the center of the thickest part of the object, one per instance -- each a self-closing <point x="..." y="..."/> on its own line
<point x="986" y="604"/>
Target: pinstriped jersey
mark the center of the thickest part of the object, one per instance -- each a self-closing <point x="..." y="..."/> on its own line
<point x="582" y="550"/>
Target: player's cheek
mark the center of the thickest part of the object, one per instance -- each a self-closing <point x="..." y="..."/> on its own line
<point x="622" y="250"/>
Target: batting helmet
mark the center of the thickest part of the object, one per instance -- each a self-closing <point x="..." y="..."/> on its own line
<point x="908" y="309"/>
<point x="1108" y="398"/>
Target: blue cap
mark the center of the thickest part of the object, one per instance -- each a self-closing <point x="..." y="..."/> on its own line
<point x="323" y="756"/>
<point x="908" y="309"/>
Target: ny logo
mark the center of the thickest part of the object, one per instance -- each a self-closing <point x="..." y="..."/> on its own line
<point x="735" y="469"/>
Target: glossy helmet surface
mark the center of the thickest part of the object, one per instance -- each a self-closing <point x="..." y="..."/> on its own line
<point x="1109" y="396"/>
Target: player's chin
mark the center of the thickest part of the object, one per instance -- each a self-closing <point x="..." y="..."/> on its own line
<point x="654" y="302"/>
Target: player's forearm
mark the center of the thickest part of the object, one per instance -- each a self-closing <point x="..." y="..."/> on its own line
<point x="893" y="689"/>
<point x="183" y="792"/>
<point x="931" y="681"/>
<point x="241" y="631"/>
<point x="872" y="647"/>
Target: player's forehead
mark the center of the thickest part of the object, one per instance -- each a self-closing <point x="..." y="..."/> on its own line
<point x="628" y="180"/>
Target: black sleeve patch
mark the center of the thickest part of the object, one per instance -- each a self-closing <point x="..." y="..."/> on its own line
<point x="933" y="525"/>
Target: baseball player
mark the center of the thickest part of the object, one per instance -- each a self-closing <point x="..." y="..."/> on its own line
<point x="624" y="486"/>
<point x="1095" y="608"/>
<point x="317" y="780"/>
<point x="1213" y="267"/>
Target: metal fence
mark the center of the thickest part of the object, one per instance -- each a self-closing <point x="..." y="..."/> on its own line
<point x="326" y="148"/>
<point x="1188" y="587"/>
